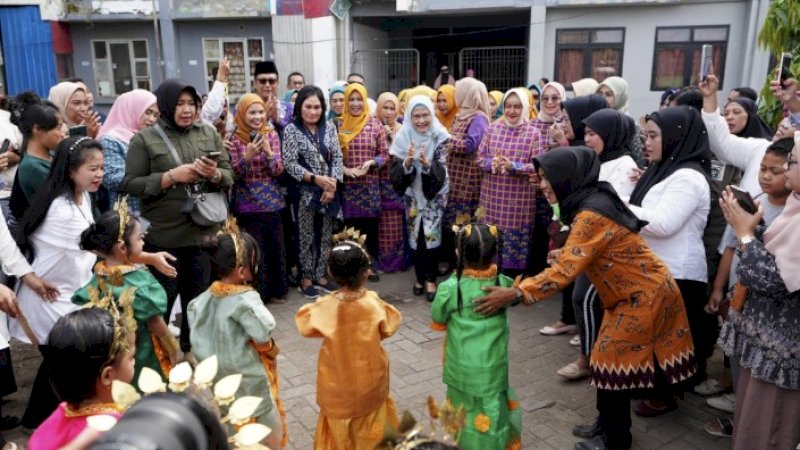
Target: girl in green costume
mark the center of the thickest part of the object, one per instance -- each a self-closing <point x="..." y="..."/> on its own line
<point x="118" y="238"/>
<point x="476" y="347"/>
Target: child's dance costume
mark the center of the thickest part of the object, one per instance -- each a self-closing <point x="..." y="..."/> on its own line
<point x="353" y="368"/>
<point x="476" y="362"/>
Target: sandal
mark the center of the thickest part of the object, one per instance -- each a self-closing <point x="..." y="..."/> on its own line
<point x="719" y="427"/>
<point x="572" y="372"/>
<point x="649" y="408"/>
<point x="710" y="387"/>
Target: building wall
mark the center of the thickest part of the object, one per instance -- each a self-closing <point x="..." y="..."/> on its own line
<point x="640" y="24"/>
<point x="190" y="35"/>
<point x="84" y="33"/>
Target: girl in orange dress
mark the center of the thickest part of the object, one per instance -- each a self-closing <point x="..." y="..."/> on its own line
<point x="353" y="368"/>
<point x="644" y="339"/>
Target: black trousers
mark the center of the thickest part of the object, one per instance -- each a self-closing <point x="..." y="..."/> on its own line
<point x="615" y="418"/>
<point x="567" y="310"/>
<point x="588" y="312"/>
<point x="703" y="326"/>
<point x="267" y="229"/>
<point x="194" y="277"/>
<point x="43" y="400"/>
<point x="426" y="260"/>
<point x="368" y="226"/>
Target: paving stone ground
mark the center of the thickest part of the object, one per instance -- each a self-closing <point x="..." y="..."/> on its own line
<point x="416" y="360"/>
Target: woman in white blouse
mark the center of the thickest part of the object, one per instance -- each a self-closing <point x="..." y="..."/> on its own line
<point x="674" y="197"/>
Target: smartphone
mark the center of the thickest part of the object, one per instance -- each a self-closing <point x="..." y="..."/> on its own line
<point x="744" y="199"/>
<point x="785" y="70"/>
<point x="78" y="130"/>
<point x="213" y="155"/>
<point x="705" y="61"/>
<point x="232" y="133"/>
<point x="254" y="136"/>
<point x="4" y="147"/>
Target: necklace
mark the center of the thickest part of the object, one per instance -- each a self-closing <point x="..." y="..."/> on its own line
<point x="221" y="290"/>
<point x="349" y="296"/>
<point x="92" y="409"/>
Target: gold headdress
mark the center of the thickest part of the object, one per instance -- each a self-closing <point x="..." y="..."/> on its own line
<point x="445" y="425"/>
<point x="232" y="229"/>
<point x="120" y="309"/>
<point x="121" y="207"/>
<point x="350" y="236"/>
<point x="464" y="223"/>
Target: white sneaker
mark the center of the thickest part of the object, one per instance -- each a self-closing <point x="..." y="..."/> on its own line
<point x="710" y="387"/>
<point x="725" y="402"/>
<point x="575" y="341"/>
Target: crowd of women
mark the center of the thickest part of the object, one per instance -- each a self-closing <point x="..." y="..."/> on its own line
<point x="626" y="216"/>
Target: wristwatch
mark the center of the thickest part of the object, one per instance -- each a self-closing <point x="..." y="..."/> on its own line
<point x="744" y="240"/>
<point x="312" y="179"/>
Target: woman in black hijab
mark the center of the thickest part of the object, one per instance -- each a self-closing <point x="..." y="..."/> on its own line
<point x="751" y="126"/>
<point x="152" y="174"/>
<point x="644" y="339"/>
<point x="674" y="196"/>
<point x="577" y="109"/>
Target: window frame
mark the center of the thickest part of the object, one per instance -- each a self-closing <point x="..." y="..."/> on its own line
<point x="249" y="61"/>
<point x="587" y="50"/>
<point x="135" y="79"/>
<point x="689" y="45"/>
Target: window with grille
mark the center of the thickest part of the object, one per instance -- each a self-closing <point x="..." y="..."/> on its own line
<point x="120" y="66"/>
<point x="588" y="53"/>
<point x="676" y="60"/>
<point x="242" y="54"/>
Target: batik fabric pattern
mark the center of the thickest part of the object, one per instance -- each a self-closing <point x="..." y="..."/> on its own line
<point x="429" y="216"/>
<point x="462" y="167"/>
<point x="361" y="196"/>
<point x="256" y="189"/>
<point x="645" y="322"/>
<point x="476" y="362"/>
<point x="509" y="199"/>
<point x="391" y="226"/>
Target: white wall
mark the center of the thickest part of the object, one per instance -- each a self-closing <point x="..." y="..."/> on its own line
<point x="640" y="24"/>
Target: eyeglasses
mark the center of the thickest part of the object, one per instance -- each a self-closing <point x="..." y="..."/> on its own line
<point x="263" y="81"/>
<point x="553" y="99"/>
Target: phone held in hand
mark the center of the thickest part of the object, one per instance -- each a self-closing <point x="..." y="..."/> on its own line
<point x="78" y="130"/>
<point x="213" y="155"/>
<point x="785" y="69"/>
<point x="4" y="147"/>
<point x="254" y="136"/>
<point x="705" y="61"/>
<point x="232" y="133"/>
<point x="744" y="199"/>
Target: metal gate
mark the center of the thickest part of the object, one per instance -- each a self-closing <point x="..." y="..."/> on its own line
<point x="388" y="69"/>
<point x="500" y="68"/>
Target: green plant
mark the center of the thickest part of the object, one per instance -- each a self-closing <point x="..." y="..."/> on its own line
<point x="779" y="34"/>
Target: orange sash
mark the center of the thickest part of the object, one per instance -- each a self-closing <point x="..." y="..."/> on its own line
<point x="269" y="353"/>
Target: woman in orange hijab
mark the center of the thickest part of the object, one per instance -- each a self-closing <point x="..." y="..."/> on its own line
<point x="256" y="160"/>
<point x="365" y="152"/>
<point x="446" y="108"/>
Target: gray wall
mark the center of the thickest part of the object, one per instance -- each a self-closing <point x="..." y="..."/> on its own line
<point x="84" y="33"/>
<point x="190" y="35"/>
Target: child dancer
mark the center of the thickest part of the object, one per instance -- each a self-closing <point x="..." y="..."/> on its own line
<point x="476" y="347"/>
<point x="118" y="237"/>
<point x="88" y="349"/>
<point x="353" y="368"/>
<point x="230" y="320"/>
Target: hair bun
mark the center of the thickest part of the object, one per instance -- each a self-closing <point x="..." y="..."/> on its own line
<point x="18" y="105"/>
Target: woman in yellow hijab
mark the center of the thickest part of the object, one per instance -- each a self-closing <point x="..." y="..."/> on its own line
<point x="258" y="198"/>
<point x="446" y="108"/>
<point x="402" y="98"/>
<point x="495" y="105"/>
<point x="364" y="150"/>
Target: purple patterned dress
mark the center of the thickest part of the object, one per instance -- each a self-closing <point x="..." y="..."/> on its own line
<point x="391" y="233"/>
<point x="362" y="195"/>
<point x="462" y="167"/>
<point x="510" y="199"/>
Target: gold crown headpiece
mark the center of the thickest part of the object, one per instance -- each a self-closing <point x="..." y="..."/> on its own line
<point x="463" y="223"/>
<point x="121" y="207"/>
<point x="232" y="229"/>
<point x="445" y="425"/>
<point x="121" y="309"/>
<point x="350" y="236"/>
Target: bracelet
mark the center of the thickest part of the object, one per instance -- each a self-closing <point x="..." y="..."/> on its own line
<point x="217" y="177"/>
<point x="173" y="180"/>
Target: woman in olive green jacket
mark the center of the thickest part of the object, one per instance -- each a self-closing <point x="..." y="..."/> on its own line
<point x="152" y="175"/>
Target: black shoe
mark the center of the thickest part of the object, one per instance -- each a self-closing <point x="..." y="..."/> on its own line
<point x="417" y="290"/>
<point x="595" y="443"/>
<point x="587" y="431"/>
<point x="430" y="296"/>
